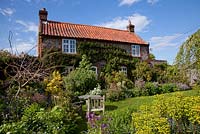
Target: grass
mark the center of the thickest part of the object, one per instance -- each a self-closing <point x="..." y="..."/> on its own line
<point x="135" y="103"/>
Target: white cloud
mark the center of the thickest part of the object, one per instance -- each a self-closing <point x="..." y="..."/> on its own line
<point x="152" y="1"/>
<point x="127" y="2"/>
<point x="24" y="46"/>
<point x="160" y="42"/>
<point x="138" y="20"/>
<point x="7" y="11"/>
<point x="29" y="26"/>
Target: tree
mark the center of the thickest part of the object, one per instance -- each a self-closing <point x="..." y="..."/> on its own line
<point x="152" y="56"/>
<point x="81" y="80"/>
<point x="143" y="71"/>
<point x="189" y="53"/>
<point x="188" y="57"/>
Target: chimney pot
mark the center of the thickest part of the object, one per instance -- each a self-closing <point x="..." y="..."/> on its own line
<point x="43" y="14"/>
<point x="131" y="27"/>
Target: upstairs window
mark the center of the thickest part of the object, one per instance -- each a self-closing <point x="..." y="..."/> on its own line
<point x="69" y="46"/>
<point x="135" y="50"/>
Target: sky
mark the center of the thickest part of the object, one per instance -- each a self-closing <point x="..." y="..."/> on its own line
<point x="165" y="24"/>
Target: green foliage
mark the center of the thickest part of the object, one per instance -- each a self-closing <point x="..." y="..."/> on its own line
<point x="151" y="73"/>
<point x="38" y="120"/>
<point x="99" y="52"/>
<point x="85" y="63"/>
<point x="120" y="122"/>
<point x="152" y="56"/>
<point x="143" y="71"/>
<point x="167" y="88"/>
<point x="97" y="90"/>
<point x="169" y="114"/>
<point x="118" y="86"/>
<point x="152" y="88"/>
<point x="159" y="73"/>
<point x="115" y="123"/>
<point x="81" y="80"/>
<point x="188" y="55"/>
<point x="113" y="56"/>
<point x="114" y="95"/>
<point x="56" y="60"/>
<point x="176" y="75"/>
<point x="5" y="56"/>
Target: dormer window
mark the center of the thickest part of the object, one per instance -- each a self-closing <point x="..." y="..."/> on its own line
<point x="135" y="50"/>
<point x="69" y="46"/>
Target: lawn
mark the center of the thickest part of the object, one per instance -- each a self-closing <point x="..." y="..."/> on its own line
<point x="118" y="115"/>
<point x="136" y="102"/>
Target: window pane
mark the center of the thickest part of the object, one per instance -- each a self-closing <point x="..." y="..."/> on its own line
<point x="66" y="48"/>
<point x="65" y="41"/>
<point x="69" y="46"/>
<point x="135" y="50"/>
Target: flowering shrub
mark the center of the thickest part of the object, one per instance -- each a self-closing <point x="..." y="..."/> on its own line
<point x="182" y="86"/>
<point x="114" y="123"/>
<point x="153" y="88"/>
<point x="169" y="114"/>
<point x="119" y="86"/>
<point x="54" y="85"/>
<point x="168" y="87"/>
<point x="97" y="90"/>
<point x="97" y="123"/>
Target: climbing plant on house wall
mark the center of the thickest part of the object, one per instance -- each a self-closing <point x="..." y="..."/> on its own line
<point x="112" y="55"/>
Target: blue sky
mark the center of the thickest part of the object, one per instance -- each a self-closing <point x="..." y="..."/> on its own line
<point x="165" y="24"/>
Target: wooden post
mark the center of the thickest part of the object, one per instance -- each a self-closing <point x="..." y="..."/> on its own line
<point x="88" y="105"/>
<point x="103" y="103"/>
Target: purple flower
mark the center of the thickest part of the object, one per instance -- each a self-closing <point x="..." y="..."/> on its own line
<point x="98" y="117"/>
<point x="90" y="115"/>
<point x="109" y="119"/>
<point x="103" y="126"/>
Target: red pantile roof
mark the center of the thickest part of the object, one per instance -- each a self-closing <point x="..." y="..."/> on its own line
<point x="53" y="28"/>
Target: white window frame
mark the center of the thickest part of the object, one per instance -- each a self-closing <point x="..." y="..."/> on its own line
<point x="69" y="69"/>
<point x="135" y="49"/>
<point x="94" y="67"/>
<point x="123" y="69"/>
<point x="69" y="46"/>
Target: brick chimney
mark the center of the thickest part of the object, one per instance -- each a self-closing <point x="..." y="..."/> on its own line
<point x="42" y="18"/>
<point x="131" y="27"/>
<point x="43" y="14"/>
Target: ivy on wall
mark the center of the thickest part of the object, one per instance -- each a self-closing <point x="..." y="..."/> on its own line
<point x="112" y="55"/>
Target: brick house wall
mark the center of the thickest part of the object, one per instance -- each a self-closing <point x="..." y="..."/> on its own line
<point x="56" y="42"/>
<point x="51" y="34"/>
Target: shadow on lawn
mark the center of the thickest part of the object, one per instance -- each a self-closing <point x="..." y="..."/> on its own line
<point x="110" y="107"/>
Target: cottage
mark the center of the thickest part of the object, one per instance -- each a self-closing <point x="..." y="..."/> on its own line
<point x="67" y="37"/>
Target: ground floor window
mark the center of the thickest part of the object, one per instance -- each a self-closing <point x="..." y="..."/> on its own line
<point x="123" y="69"/>
<point x="94" y="68"/>
<point x="69" y="69"/>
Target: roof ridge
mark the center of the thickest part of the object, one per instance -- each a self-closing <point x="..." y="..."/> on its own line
<point x="67" y="29"/>
<point x="88" y="25"/>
